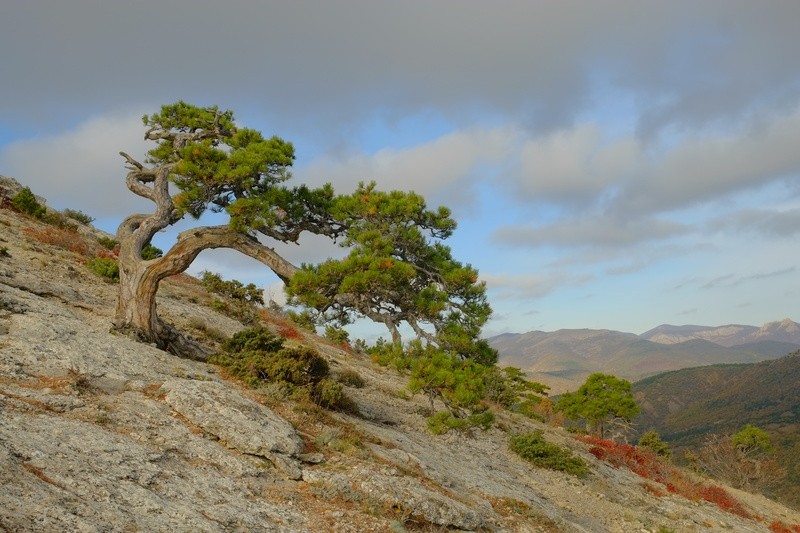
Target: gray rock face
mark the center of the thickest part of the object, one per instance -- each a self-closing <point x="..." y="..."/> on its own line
<point x="237" y="422"/>
<point x="66" y="474"/>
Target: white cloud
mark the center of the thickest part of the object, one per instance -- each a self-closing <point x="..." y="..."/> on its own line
<point x="442" y="167"/>
<point x="706" y="168"/>
<point x="81" y="168"/>
<point x="528" y="286"/>
<point x="575" y="166"/>
<point x="592" y="231"/>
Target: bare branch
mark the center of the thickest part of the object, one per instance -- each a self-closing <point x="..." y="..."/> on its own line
<point x="134" y="163"/>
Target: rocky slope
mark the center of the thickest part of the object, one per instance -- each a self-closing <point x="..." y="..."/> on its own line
<point x="101" y="433"/>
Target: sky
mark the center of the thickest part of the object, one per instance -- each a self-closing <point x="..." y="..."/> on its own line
<point x="611" y="165"/>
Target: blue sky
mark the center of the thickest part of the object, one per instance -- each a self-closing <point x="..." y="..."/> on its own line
<point x="617" y="165"/>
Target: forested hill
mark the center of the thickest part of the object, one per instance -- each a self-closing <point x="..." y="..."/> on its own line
<point x="687" y="405"/>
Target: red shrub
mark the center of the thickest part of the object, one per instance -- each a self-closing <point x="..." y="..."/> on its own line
<point x="720" y="497"/>
<point x="289" y="332"/>
<point x="63" y="238"/>
<point x="109" y="254"/>
<point x="650" y="466"/>
<point x="780" y="527"/>
<point x="642" y="462"/>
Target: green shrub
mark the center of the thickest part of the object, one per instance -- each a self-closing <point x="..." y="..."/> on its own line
<point x="233" y="289"/>
<point x="54" y="218"/>
<point x="328" y="393"/>
<point x="78" y="215"/>
<point x="458" y="383"/>
<point x="258" y="357"/>
<point x="4" y="252"/>
<point x="509" y="388"/>
<point x="104" y="267"/>
<point x="305" y="320"/>
<point x="253" y="339"/>
<point x="652" y="441"/>
<point x="388" y="354"/>
<point x="151" y="252"/>
<point x="350" y="378"/>
<point x="752" y="439"/>
<point x="25" y="202"/>
<point x="337" y="335"/>
<point x="532" y="447"/>
<point x="444" y="421"/>
<point x="107" y="242"/>
<point x="240" y="299"/>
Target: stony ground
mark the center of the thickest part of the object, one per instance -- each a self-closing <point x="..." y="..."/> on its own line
<point x="101" y="433"/>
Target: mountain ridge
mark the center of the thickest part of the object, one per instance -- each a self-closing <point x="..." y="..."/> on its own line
<point x="564" y="358"/>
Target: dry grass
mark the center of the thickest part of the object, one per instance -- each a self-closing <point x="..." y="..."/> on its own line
<point x="66" y="239"/>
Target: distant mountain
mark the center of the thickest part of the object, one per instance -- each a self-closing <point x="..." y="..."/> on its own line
<point x="686" y="405"/>
<point x="786" y="331"/>
<point x="563" y="359"/>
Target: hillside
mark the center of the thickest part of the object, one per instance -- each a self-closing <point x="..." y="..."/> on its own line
<point x="687" y="405"/>
<point x="564" y="359"/>
<point x="102" y="433"/>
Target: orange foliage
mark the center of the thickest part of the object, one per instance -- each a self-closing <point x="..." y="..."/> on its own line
<point x="63" y="238"/>
<point x="650" y="466"/>
<point x="722" y="499"/>
<point x="109" y="254"/>
<point x="289" y="332"/>
<point x="780" y="527"/>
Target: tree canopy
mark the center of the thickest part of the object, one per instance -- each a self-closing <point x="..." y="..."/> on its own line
<point x="600" y="399"/>
<point x="397" y="270"/>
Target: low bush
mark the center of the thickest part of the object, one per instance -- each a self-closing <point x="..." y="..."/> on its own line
<point x="532" y="447"/>
<point x="151" y="252"/>
<point x="328" y="393"/>
<point x="780" y="527"/>
<point x="650" y="466"/>
<point x="25" y="202"/>
<point x="652" y="441"/>
<point x="287" y="331"/>
<point x="337" y="335"/>
<point x="460" y="384"/>
<point x="66" y="239"/>
<point x="239" y="300"/>
<point x="259" y="358"/>
<point x="350" y="378"/>
<point x="233" y="289"/>
<point x="78" y="215"/>
<point x="54" y="218"/>
<point x="305" y="320"/>
<point x="107" y="242"/>
<point x="105" y="267"/>
<point x="253" y="339"/>
<point x="641" y="461"/>
<point x="445" y="421"/>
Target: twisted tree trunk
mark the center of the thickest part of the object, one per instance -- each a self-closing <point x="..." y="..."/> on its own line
<point x="139" y="280"/>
